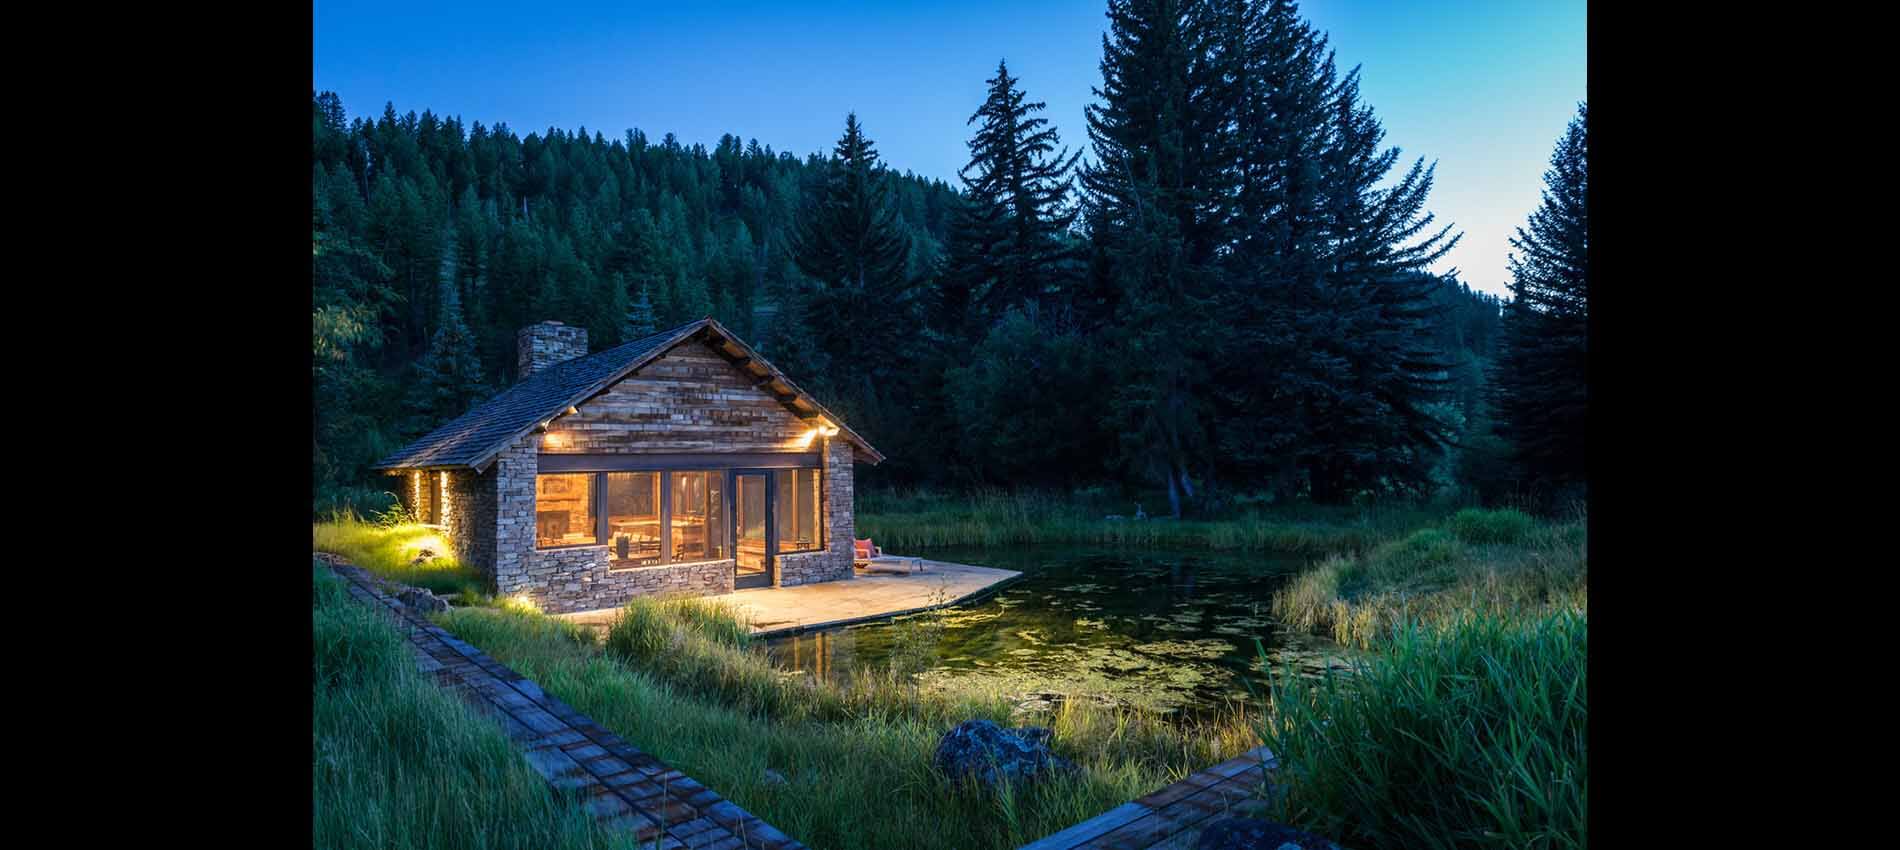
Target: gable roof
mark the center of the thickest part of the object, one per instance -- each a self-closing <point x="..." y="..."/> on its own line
<point x="473" y="439"/>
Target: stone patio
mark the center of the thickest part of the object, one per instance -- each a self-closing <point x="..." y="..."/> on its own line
<point x="869" y="595"/>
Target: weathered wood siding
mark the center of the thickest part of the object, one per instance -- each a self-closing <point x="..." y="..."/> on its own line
<point x="689" y="400"/>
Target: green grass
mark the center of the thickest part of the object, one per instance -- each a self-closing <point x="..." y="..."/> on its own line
<point x="1499" y="563"/>
<point x="922" y="518"/>
<point x="390" y="550"/>
<point x="1468" y="733"/>
<point x="672" y="679"/>
<point x="398" y="763"/>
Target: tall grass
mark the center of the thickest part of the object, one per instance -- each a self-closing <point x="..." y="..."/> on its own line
<point x="390" y="551"/>
<point x="1499" y="563"/>
<point x="1469" y="733"/>
<point x="921" y="518"/>
<point x="397" y="762"/>
<point x="675" y="678"/>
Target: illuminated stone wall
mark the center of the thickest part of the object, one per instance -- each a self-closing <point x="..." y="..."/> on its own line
<point x="835" y="561"/>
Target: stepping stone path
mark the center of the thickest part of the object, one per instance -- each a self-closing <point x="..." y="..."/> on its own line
<point x="1172" y="817"/>
<point x="622" y="786"/>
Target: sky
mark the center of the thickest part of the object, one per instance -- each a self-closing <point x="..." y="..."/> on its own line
<point x="1483" y="89"/>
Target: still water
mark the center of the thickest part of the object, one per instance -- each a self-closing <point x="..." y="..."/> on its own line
<point x="1158" y="629"/>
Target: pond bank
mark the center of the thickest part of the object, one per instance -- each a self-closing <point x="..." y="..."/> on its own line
<point x="867" y="596"/>
<point x="1161" y="630"/>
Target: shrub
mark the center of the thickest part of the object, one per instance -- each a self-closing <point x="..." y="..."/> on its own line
<point x="1480" y="526"/>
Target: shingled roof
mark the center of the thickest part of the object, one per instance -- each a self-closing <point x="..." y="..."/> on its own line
<point x="473" y="439"/>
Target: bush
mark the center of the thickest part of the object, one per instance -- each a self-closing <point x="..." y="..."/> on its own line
<point x="1469" y="734"/>
<point x="1480" y="526"/>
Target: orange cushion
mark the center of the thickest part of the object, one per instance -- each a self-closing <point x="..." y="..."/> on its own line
<point x="863" y="547"/>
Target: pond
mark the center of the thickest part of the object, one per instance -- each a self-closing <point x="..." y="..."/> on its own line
<point x="1162" y="630"/>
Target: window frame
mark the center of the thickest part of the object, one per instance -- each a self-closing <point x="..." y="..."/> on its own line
<point x="600" y="467"/>
<point x="595" y="494"/>
<point x="778" y="518"/>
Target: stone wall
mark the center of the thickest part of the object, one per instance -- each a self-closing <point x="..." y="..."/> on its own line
<point x="579" y="579"/>
<point x="514" y="470"/>
<point x="541" y="345"/>
<point x="834" y="562"/>
<point x="468" y="512"/>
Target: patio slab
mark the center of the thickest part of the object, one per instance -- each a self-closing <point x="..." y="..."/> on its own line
<point x="868" y="595"/>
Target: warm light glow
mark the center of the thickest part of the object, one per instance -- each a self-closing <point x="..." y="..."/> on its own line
<point x="432" y="542"/>
<point x="554" y="440"/>
<point x="805" y="441"/>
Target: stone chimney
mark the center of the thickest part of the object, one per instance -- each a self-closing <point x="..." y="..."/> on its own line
<point x="539" y="346"/>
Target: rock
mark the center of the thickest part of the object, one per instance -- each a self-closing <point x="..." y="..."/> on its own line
<point x="420" y="599"/>
<point x="1256" y="834"/>
<point x="981" y="751"/>
<point x="773" y="777"/>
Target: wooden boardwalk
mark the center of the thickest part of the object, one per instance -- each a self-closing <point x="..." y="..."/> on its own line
<point x="620" y="785"/>
<point x="1172" y="818"/>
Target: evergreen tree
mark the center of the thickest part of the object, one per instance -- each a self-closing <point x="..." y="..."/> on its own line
<point x="448" y="377"/>
<point x="1542" y="380"/>
<point x="1149" y="212"/>
<point x="640" y="319"/>
<point x="1007" y="244"/>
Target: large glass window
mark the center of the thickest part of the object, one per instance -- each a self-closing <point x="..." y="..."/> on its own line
<point x="564" y="510"/>
<point x="799" y="510"/>
<point x="699" y="533"/>
<point x="633" y="516"/>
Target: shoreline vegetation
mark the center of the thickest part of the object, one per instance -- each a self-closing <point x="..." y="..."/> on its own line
<point x="922" y="518"/>
<point x="849" y="763"/>
<point x="1472" y="684"/>
<point x="1471" y="626"/>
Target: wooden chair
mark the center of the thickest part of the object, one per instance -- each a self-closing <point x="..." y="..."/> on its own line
<point x="863" y="552"/>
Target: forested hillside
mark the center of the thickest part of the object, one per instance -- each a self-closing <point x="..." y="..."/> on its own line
<point x="1226" y="294"/>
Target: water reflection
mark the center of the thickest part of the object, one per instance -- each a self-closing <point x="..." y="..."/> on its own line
<point x="1159" y="630"/>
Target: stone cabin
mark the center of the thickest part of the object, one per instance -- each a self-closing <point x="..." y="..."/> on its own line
<point x="678" y="463"/>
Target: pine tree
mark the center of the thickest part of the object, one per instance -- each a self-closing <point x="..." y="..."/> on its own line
<point x="850" y="237"/>
<point x="1007" y="244"/>
<point x="640" y="319"/>
<point x="1149" y="201"/>
<point x="1542" y="381"/>
<point x="448" y="377"/>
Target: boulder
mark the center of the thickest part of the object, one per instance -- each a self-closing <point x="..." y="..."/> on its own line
<point x="1256" y="834"/>
<point x="420" y="599"/>
<point x="985" y="753"/>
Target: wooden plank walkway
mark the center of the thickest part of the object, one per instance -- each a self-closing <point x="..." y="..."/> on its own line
<point x="1171" y="818"/>
<point x="622" y="786"/>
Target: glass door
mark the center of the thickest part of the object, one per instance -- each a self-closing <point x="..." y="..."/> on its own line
<point x="752" y="529"/>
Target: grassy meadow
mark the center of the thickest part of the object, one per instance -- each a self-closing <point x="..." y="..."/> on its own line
<point x="1462" y="722"/>
<point x="397" y="762"/>
<point x="676" y="679"/>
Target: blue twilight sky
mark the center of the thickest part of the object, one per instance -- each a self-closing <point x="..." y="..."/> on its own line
<point x="1483" y="87"/>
